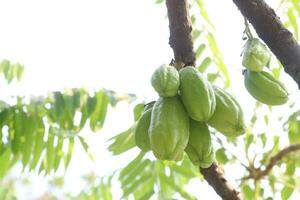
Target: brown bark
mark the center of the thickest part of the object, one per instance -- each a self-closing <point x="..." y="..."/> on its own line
<point x="271" y="30"/>
<point x="182" y="45"/>
<point x="180" y="32"/>
<point x="215" y="177"/>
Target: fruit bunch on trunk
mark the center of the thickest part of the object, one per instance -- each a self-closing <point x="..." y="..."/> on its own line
<point x="179" y="120"/>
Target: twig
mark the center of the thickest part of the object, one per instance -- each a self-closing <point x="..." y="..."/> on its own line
<point x="276" y="158"/>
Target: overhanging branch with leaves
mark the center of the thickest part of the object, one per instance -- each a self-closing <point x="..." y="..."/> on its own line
<point x="272" y="31"/>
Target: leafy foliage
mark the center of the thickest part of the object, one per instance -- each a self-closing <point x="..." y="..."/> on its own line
<point x="11" y="71"/>
<point x="41" y="131"/>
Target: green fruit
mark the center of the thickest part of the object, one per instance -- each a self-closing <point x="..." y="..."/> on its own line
<point x="228" y="117"/>
<point x="256" y="55"/>
<point x="199" y="148"/>
<point x="141" y="131"/>
<point x="197" y="94"/>
<point x="265" y="88"/>
<point x="165" y="81"/>
<point x="208" y="160"/>
<point x="169" y="129"/>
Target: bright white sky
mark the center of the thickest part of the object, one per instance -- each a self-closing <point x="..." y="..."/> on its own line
<point x="110" y="44"/>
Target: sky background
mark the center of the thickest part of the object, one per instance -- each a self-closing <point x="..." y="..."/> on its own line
<point x="105" y="44"/>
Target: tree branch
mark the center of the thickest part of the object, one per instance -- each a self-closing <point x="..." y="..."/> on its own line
<point x="276" y="158"/>
<point x="180" y="32"/>
<point x="271" y="30"/>
<point x="215" y="177"/>
<point x="182" y="45"/>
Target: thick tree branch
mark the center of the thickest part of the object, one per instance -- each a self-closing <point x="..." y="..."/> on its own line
<point x="182" y="45"/>
<point x="180" y="32"/>
<point x="215" y="177"/>
<point x="271" y="30"/>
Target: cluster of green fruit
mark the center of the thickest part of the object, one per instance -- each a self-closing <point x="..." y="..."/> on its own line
<point x="178" y="121"/>
<point x="260" y="84"/>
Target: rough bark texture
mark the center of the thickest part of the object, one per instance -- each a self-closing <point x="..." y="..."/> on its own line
<point x="271" y="30"/>
<point x="215" y="177"/>
<point x="182" y="45"/>
<point x="180" y="32"/>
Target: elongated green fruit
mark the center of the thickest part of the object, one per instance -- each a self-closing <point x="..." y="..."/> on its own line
<point x="256" y="55"/>
<point x="169" y="129"/>
<point x="141" y="131"/>
<point x="265" y="88"/>
<point x="228" y="117"/>
<point x="197" y="94"/>
<point x="165" y="81"/>
<point x="199" y="148"/>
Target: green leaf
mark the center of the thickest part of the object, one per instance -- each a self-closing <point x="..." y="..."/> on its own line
<point x="204" y="64"/>
<point x="50" y="154"/>
<point x="84" y="112"/>
<point x="176" y="188"/>
<point x="58" y="106"/>
<point x="85" y="147"/>
<point x="91" y="104"/>
<point x="126" y="170"/>
<point x="212" y="77"/>
<point x="4" y="66"/>
<point x="30" y="134"/>
<point x="266" y="118"/>
<point x="296" y="6"/>
<point x="221" y="156"/>
<point x="9" y="74"/>
<point x="294" y="131"/>
<point x="16" y="132"/>
<point x="69" y="152"/>
<point x="135" y="173"/>
<point x="272" y="180"/>
<point x="137" y="111"/>
<point x="218" y="57"/>
<point x="147" y="194"/>
<point x="122" y="142"/>
<point x="263" y="138"/>
<point x="286" y="192"/>
<point x="159" y="1"/>
<point x="69" y="112"/>
<point x="187" y="172"/>
<point x="203" y="12"/>
<point x="195" y="34"/>
<point x="98" y="116"/>
<point x="58" y="153"/>
<point x="5" y="162"/>
<point x="276" y="140"/>
<point x="20" y="71"/>
<point x="136" y="184"/>
<point x="248" y="140"/>
<point x="248" y="192"/>
<point x="200" y="50"/>
<point x="105" y="190"/>
<point x="293" y="20"/>
<point x="38" y="144"/>
<point x="290" y="168"/>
